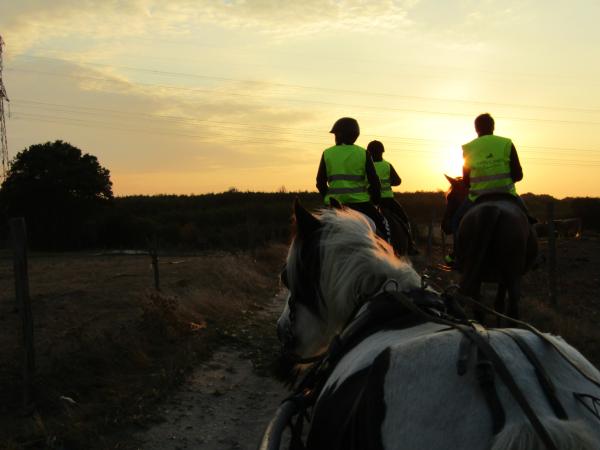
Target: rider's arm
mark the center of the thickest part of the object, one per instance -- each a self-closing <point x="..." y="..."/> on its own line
<point x="374" y="183"/>
<point x="467" y="176"/>
<point x="516" y="171"/>
<point x="322" y="177"/>
<point x="395" y="179"/>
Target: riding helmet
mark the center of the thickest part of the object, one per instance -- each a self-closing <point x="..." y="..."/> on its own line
<point x="375" y="147"/>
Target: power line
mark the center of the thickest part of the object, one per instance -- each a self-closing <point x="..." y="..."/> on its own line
<point x="264" y="128"/>
<point x="321" y="102"/>
<point x="319" y="88"/>
<point x="249" y="139"/>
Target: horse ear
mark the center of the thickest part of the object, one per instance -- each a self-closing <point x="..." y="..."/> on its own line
<point x="335" y="204"/>
<point x="306" y="223"/>
<point x="450" y="179"/>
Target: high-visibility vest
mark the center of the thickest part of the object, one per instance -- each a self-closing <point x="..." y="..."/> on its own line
<point x="383" y="169"/>
<point x="346" y="175"/>
<point x="488" y="158"/>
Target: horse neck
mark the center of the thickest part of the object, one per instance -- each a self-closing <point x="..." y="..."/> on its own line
<point x="352" y="277"/>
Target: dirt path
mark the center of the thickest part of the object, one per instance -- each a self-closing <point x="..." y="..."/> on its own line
<point x="224" y="405"/>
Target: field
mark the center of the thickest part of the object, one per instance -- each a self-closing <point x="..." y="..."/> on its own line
<point x="109" y="347"/>
<point x="110" y="350"/>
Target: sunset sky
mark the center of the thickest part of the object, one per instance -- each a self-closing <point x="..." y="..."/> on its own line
<point x="200" y="96"/>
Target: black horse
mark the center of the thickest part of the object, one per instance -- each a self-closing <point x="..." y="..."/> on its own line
<point x="494" y="243"/>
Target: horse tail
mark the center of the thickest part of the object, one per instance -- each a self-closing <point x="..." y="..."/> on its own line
<point x="478" y="244"/>
<point x="566" y="435"/>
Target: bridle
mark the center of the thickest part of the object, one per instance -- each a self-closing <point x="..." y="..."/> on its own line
<point x="292" y="306"/>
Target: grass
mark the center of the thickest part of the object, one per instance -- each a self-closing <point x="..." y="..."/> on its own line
<point x="108" y="346"/>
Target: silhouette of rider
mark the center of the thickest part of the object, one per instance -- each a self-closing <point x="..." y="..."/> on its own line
<point x="491" y="168"/>
<point x="347" y="174"/>
<point x="388" y="178"/>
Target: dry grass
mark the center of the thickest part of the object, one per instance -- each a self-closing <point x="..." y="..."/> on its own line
<point x="113" y="345"/>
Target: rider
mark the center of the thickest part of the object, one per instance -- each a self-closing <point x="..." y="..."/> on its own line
<point x="347" y="174"/>
<point x="491" y="166"/>
<point x="388" y="178"/>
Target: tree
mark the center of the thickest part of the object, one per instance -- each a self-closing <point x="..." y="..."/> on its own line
<point x="59" y="190"/>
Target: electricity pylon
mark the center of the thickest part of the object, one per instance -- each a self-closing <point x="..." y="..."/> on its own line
<point x="3" y="141"/>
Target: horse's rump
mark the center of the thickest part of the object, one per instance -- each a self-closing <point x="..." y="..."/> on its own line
<point x="402" y="392"/>
<point x="495" y="237"/>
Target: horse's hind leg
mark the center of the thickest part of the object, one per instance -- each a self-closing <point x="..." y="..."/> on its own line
<point x="514" y="294"/>
<point x="499" y="302"/>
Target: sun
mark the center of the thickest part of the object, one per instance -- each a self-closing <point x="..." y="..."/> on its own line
<point x="452" y="161"/>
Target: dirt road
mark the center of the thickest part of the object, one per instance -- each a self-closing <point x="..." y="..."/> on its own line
<point x="224" y="405"/>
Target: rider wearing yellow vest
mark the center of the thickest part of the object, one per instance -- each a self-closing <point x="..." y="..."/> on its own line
<point x="346" y="173"/>
<point x="388" y="178"/>
<point x="488" y="164"/>
<point x="491" y="166"/>
<point x="384" y="172"/>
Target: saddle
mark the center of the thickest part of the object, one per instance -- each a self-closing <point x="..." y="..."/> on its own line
<point x="505" y="196"/>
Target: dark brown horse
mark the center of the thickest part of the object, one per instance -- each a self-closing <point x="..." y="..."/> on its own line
<point x="494" y="243"/>
<point x="399" y="232"/>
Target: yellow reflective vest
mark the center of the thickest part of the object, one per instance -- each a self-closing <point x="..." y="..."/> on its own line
<point x="346" y="175"/>
<point x="383" y="170"/>
<point x="488" y="158"/>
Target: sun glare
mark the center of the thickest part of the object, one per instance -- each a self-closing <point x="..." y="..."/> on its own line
<point x="452" y="162"/>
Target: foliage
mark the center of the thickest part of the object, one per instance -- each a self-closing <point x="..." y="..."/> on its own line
<point x="235" y="220"/>
<point x="59" y="190"/>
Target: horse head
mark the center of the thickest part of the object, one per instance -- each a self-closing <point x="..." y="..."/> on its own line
<point x="455" y="196"/>
<point x="334" y="263"/>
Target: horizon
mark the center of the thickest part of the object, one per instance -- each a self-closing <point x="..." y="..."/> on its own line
<point x="193" y="98"/>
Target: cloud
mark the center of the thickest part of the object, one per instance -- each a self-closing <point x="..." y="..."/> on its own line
<point x="28" y="23"/>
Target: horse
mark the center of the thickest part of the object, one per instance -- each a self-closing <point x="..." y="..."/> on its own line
<point x="494" y="243"/>
<point x="384" y="386"/>
<point x="399" y="230"/>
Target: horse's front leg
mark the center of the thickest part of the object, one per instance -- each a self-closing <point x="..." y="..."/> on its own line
<point x="499" y="302"/>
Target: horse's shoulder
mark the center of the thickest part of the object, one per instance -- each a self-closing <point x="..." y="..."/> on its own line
<point x="354" y="407"/>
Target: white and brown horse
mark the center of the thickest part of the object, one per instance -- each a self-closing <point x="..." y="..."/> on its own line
<point x="397" y="387"/>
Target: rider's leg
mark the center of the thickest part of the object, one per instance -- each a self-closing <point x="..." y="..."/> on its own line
<point x="523" y="206"/>
<point x="396" y="209"/>
<point x="458" y="215"/>
<point x="399" y="212"/>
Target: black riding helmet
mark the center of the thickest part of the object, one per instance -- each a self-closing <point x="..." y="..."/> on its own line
<point x="375" y="148"/>
<point x="346" y="130"/>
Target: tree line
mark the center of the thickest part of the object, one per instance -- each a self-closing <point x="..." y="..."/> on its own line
<point x="67" y="201"/>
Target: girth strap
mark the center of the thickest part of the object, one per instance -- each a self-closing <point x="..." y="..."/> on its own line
<point x="486" y="379"/>
<point x="541" y="373"/>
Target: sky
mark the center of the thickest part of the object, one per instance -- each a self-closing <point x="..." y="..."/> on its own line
<point x="191" y="97"/>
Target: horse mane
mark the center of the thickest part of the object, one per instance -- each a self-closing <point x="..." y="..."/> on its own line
<point x="355" y="263"/>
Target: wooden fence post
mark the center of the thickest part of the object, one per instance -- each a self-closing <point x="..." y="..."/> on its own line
<point x="18" y="233"/>
<point x="154" y="256"/>
<point x="551" y="255"/>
